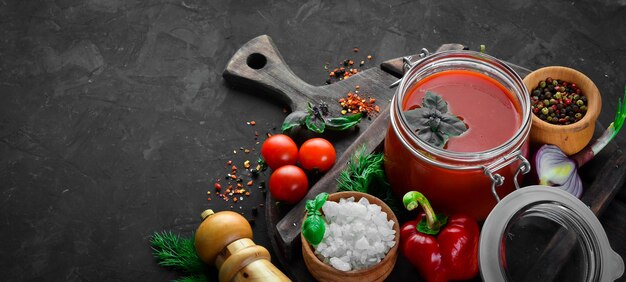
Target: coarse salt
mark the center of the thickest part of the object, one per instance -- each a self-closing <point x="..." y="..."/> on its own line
<point x="358" y="234"/>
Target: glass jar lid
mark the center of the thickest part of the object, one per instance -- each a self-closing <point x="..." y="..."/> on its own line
<point x="541" y="233"/>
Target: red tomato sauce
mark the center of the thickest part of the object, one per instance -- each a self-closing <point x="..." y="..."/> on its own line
<point x="480" y="101"/>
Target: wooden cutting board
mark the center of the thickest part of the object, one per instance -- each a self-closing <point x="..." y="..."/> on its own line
<point x="259" y="67"/>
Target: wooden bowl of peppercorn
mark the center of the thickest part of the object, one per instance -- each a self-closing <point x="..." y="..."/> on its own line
<point x="565" y="105"/>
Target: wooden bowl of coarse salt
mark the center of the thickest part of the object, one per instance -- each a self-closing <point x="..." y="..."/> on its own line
<point x="377" y="272"/>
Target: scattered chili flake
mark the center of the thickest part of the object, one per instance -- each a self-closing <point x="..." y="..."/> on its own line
<point x="218" y="186"/>
<point x="353" y="103"/>
<point x="234" y="168"/>
<point x="247" y="193"/>
<point x="250" y="183"/>
<point x="252" y="122"/>
<point x="356" y="49"/>
<point x="229" y="162"/>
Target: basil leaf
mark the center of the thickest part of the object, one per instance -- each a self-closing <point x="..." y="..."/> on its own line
<point x="294" y="119"/>
<point x="314" y="124"/>
<point x="418" y="118"/>
<point x="451" y="125"/>
<point x="434" y="138"/>
<point x="343" y="123"/>
<point x="433" y="123"/>
<point x="320" y="199"/>
<point x="313" y="229"/>
<point x="310" y="206"/>
<point x="434" y="101"/>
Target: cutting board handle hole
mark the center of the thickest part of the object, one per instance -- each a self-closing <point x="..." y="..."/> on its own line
<point x="256" y="61"/>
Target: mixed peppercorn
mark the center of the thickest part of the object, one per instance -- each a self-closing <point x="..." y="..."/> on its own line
<point x="558" y="102"/>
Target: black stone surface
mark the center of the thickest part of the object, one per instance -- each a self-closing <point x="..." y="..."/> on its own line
<point x="115" y="120"/>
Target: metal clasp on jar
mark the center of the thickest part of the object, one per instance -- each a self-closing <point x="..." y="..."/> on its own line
<point x="497" y="179"/>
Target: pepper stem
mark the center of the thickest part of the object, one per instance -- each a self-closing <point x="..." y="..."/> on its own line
<point x="413" y="199"/>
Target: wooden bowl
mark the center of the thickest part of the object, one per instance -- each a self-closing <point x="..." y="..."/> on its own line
<point x="573" y="137"/>
<point x="378" y="272"/>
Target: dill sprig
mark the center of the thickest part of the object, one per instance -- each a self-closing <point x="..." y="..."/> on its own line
<point x="364" y="173"/>
<point x="171" y="250"/>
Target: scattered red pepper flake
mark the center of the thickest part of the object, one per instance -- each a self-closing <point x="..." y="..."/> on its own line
<point x="218" y="186"/>
<point x="356" y="49"/>
<point x="250" y="183"/>
<point x="353" y="103"/>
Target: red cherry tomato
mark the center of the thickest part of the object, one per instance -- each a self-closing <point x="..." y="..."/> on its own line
<point x="317" y="154"/>
<point x="288" y="184"/>
<point x="279" y="150"/>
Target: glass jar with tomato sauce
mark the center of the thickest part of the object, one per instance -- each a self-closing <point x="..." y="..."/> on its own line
<point x="472" y="171"/>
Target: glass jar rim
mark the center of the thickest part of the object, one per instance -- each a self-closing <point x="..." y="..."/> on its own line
<point x="465" y="58"/>
<point x="609" y="264"/>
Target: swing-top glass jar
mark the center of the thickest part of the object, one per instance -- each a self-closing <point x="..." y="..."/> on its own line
<point x="472" y="171"/>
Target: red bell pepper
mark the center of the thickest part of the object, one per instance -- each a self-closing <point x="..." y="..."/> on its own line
<point x="440" y="248"/>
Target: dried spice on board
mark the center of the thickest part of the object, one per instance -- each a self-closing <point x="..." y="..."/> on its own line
<point x="346" y="68"/>
<point x="354" y="103"/>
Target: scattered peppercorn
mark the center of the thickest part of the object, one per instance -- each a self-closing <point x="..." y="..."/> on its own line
<point x="346" y="68"/>
<point x="558" y="102"/>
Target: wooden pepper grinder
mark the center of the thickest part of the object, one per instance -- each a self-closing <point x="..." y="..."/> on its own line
<point x="225" y="239"/>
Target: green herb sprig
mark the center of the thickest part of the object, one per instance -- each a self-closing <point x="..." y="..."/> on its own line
<point x="316" y="119"/>
<point x="432" y="122"/>
<point x="173" y="251"/>
<point x="365" y="173"/>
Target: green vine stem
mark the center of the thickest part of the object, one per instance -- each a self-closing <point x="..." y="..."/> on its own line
<point x="433" y="223"/>
<point x="594" y="148"/>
